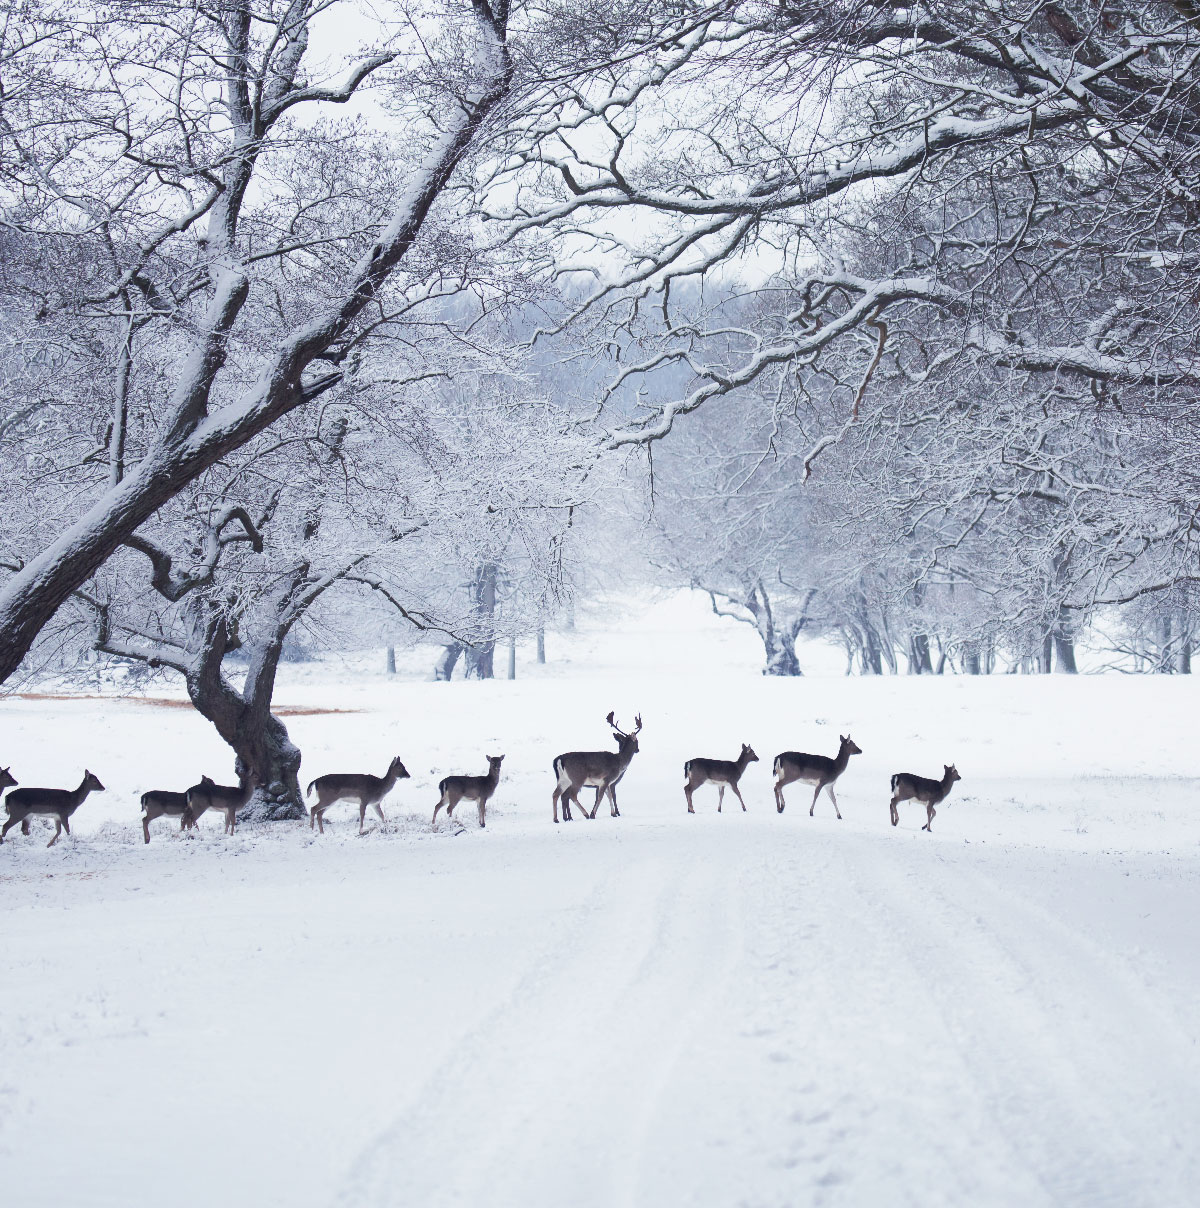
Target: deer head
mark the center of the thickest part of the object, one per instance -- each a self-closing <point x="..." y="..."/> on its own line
<point x="627" y="742"/>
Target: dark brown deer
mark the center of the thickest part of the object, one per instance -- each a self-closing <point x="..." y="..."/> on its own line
<point x="223" y="797"/>
<point x="931" y="793"/>
<point x="474" y="788"/>
<point x="601" y="770"/>
<point x="354" y="786"/>
<point x="59" y="804"/>
<point x="818" y="770"/>
<point x="162" y="803"/>
<point x="720" y="772"/>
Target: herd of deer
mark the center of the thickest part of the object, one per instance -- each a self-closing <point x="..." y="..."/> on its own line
<point x="601" y="770"/>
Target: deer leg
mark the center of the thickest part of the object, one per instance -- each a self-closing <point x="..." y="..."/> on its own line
<point x="895" y="812"/>
<point x="612" y="797"/>
<point x="24" y="826"/>
<point x="57" y="831"/>
<point x="441" y="802"/>
<point x="600" y="790"/>
<point x="362" y="814"/>
<point x="378" y="808"/>
<point x="687" y="792"/>
<point x="738" y="793"/>
<point x="720" y="797"/>
<point x="483" y="811"/>
<point x="929" y="824"/>
<point x="816" y="794"/>
<point x="566" y="805"/>
<point x="829" y="790"/>
<point x="7" y="827"/>
<point x="554" y="804"/>
<point x="779" y="802"/>
<point x="146" y="828"/>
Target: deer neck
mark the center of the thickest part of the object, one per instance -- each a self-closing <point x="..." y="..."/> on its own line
<point x="842" y="759"/>
<point x="742" y="762"/>
<point x="77" y="797"/>
<point x="389" y="780"/>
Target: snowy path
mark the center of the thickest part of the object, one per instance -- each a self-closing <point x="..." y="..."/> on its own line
<point x="744" y="1009"/>
<point x="830" y="1019"/>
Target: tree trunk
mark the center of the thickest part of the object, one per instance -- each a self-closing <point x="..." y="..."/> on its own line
<point x="971" y="661"/>
<point x="244" y="719"/>
<point x="1064" y="645"/>
<point x="481" y="655"/>
<point x="512" y="658"/>
<point x="919" y="662"/>
<point x="391" y="660"/>
<point x="444" y="667"/>
<point x="541" y="646"/>
<point x="781" y="657"/>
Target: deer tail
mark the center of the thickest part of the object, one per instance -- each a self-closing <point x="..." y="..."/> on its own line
<point x="775" y="766"/>
<point x="308" y="791"/>
<point x="895" y="781"/>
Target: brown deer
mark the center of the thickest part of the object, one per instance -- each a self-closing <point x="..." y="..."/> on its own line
<point x="59" y="804"/>
<point x="354" y="786"/>
<point x="474" y="788"/>
<point x="162" y="803"/>
<point x="931" y="793"/>
<point x="720" y="772"/>
<point x="817" y="770"/>
<point x="223" y="797"/>
<point x="601" y="770"/>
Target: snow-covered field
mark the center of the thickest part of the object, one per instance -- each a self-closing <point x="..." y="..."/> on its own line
<point x="736" y="1009"/>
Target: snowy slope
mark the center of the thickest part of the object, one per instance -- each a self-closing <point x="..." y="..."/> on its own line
<point x="714" y="1010"/>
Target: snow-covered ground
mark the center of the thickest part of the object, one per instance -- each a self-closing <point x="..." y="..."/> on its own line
<point x="736" y="1009"/>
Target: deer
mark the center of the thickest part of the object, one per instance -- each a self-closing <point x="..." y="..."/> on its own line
<point x="354" y="786"/>
<point x="209" y="796"/>
<point x="59" y="804"/>
<point x="720" y="772"/>
<point x="818" y="770"/>
<point x="474" y="788"/>
<point x="931" y="793"/>
<point x="162" y="803"/>
<point x="601" y="770"/>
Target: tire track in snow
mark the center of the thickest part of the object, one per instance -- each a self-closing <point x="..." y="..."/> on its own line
<point x="548" y="1101"/>
<point x="1046" y="1026"/>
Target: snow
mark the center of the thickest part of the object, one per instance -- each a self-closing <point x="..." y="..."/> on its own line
<point x="748" y="1009"/>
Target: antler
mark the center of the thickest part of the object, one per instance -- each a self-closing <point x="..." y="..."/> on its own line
<point x="636" y="728"/>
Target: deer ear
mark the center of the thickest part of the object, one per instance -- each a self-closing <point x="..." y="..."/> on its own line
<point x="609" y="718"/>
